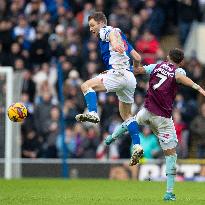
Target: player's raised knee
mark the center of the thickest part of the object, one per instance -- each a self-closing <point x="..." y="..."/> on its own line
<point x="84" y="87"/>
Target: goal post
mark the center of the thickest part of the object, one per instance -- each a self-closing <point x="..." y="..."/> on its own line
<point x="8" y="72"/>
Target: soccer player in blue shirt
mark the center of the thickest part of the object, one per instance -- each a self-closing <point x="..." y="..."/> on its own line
<point x="118" y="78"/>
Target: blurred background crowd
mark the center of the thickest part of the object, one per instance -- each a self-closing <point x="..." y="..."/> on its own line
<point x="38" y="36"/>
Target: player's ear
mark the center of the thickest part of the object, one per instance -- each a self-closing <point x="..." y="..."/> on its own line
<point x="101" y="23"/>
<point x="181" y="64"/>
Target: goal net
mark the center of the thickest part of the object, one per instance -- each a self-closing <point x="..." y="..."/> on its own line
<point x="10" y="89"/>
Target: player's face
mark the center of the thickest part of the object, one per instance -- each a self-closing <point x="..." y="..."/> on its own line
<point x="95" y="26"/>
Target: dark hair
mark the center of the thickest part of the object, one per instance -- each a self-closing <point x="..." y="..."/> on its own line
<point x="176" y="55"/>
<point x="98" y="16"/>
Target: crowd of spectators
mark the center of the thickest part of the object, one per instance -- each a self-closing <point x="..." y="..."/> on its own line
<point x="37" y="37"/>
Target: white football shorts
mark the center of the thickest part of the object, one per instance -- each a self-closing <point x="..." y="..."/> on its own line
<point x="162" y="127"/>
<point x="122" y="82"/>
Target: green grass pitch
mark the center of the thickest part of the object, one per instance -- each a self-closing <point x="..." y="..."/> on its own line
<point x="88" y="192"/>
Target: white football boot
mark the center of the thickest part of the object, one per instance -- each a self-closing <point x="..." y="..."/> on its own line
<point x="137" y="154"/>
<point x="88" y="117"/>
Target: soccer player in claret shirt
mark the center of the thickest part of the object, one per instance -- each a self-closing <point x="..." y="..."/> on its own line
<point x="119" y="78"/>
<point x="157" y="112"/>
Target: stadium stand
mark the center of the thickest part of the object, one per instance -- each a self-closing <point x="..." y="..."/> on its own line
<point x="36" y="35"/>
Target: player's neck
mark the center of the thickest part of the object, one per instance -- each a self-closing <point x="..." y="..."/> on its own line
<point x="176" y="65"/>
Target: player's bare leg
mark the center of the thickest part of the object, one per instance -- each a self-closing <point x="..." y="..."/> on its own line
<point x="88" y="88"/>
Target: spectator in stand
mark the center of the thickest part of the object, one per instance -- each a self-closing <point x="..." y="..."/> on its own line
<point x="3" y="7"/>
<point x="69" y="141"/>
<point x="60" y="34"/>
<point x="15" y="53"/>
<point x="55" y="50"/>
<point x="79" y="134"/>
<point x="104" y="152"/>
<point x="6" y="39"/>
<point x="182" y="135"/>
<point x="149" y="48"/>
<point x="187" y="108"/>
<point x="136" y="28"/>
<point x="150" y="144"/>
<point x="53" y="6"/>
<point x="99" y="5"/>
<point x="144" y="16"/>
<point x="198" y="132"/>
<point x="74" y="98"/>
<point x="45" y="80"/>
<point x="123" y="12"/>
<point x="82" y="16"/>
<point x="73" y="47"/>
<point x="19" y="64"/>
<point x="42" y="114"/>
<point x="91" y="70"/>
<point x="38" y="49"/>
<point x="137" y="106"/>
<point x="66" y="69"/>
<point x="109" y="110"/>
<point x="195" y="71"/>
<point x="62" y="17"/>
<point x="35" y="6"/>
<point x="74" y="79"/>
<point x="70" y="111"/>
<point x="16" y="8"/>
<point x="180" y="103"/>
<point x="188" y="12"/>
<point x="156" y="20"/>
<point x="24" y="30"/>
<point x="31" y="145"/>
<point x="49" y="144"/>
<point x="28" y="85"/>
<point x="28" y="123"/>
<point x="112" y="19"/>
<point x="70" y="20"/>
<point x="90" y="143"/>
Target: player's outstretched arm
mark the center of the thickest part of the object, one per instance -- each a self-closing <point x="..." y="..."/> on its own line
<point x="116" y="41"/>
<point x="188" y="82"/>
<point x="136" y="58"/>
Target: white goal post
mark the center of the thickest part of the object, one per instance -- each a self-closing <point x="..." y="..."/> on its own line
<point x="8" y="72"/>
